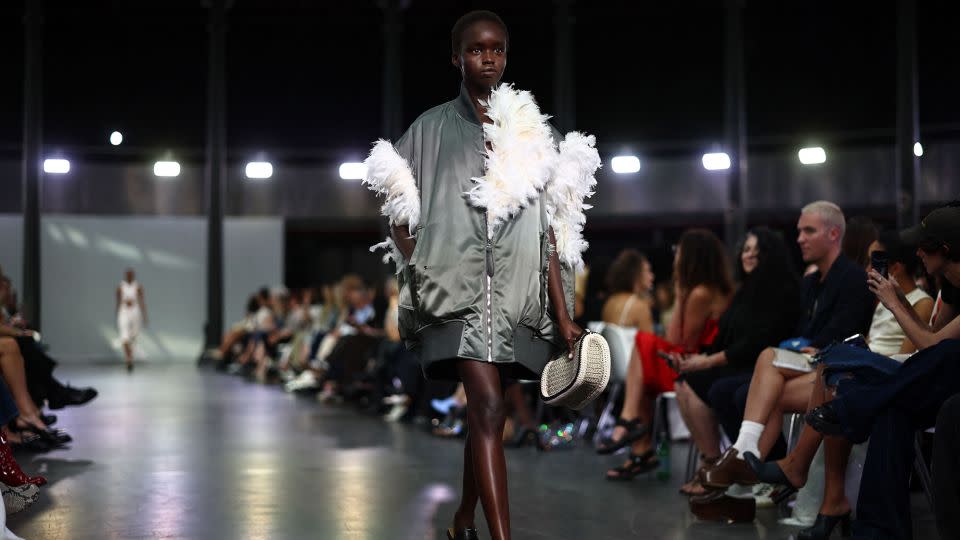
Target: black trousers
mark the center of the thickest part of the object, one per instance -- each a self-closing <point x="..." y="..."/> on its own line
<point x="946" y="469"/>
<point x="728" y="399"/>
<point x="890" y="410"/>
<point x="38" y="368"/>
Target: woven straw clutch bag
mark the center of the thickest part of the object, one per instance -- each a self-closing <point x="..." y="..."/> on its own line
<point x="575" y="382"/>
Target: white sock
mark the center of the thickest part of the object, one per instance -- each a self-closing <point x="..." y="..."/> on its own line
<point x="749" y="438"/>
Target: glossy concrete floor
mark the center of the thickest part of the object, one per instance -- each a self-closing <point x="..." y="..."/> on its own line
<point x="176" y="452"/>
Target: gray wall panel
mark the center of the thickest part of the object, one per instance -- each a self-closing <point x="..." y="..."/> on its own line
<point x="11" y="247"/>
<point x="253" y="257"/>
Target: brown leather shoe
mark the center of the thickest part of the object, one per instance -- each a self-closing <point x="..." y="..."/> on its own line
<point x="717" y="506"/>
<point x="729" y="470"/>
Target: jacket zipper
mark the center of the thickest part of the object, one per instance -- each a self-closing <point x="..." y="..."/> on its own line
<point x="489" y="287"/>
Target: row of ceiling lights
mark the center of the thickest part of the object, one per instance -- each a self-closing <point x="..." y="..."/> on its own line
<point x="713" y="161"/>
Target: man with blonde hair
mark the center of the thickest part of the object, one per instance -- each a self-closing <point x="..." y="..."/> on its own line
<point x="836" y="303"/>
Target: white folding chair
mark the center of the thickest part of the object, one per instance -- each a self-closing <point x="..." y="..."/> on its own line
<point x="620" y="339"/>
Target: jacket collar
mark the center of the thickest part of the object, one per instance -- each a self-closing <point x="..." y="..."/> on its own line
<point x="465" y="107"/>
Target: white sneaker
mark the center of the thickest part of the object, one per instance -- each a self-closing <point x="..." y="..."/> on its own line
<point x="305" y="381"/>
<point x="395" y="399"/>
<point x="763" y="494"/>
<point x="396" y="413"/>
<point x="740" y="492"/>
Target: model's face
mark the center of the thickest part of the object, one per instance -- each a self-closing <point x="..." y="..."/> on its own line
<point x="483" y="55"/>
<point x="128" y="275"/>
<point x="750" y="256"/>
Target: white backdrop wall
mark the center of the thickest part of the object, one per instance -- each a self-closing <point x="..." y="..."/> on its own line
<point x="11" y="247"/>
<point x="83" y="259"/>
<point x="253" y="258"/>
<point x="82" y="263"/>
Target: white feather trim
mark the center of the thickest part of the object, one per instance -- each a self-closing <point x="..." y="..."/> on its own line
<point x="392" y="252"/>
<point x="520" y="160"/>
<point x="572" y="183"/>
<point x="389" y="174"/>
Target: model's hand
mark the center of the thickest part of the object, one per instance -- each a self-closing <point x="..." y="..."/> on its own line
<point x="570" y="332"/>
<point x="886" y="289"/>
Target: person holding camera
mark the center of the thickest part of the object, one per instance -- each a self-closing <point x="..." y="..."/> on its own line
<point x="888" y="405"/>
<point x="889" y="255"/>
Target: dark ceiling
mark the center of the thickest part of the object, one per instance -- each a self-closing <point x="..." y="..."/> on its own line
<point x="307" y="75"/>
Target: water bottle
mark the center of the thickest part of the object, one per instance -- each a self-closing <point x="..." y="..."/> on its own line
<point x="663" y="457"/>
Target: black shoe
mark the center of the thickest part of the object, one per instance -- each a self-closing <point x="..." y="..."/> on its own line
<point x="55" y="438"/>
<point x="526" y="437"/>
<point x="465" y="534"/>
<point x="48" y="419"/>
<point x="129" y="368"/>
<point x="63" y="396"/>
<point x="32" y="444"/>
<point x="823" y="527"/>
<point x="635" y="432"/>
<point x="824" y="420"/>
<point x="771" y="473"/>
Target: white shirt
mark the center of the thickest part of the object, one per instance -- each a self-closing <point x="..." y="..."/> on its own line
<point x="886" y="336"/>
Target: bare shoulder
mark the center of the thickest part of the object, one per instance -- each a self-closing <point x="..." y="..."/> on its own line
<point x="703" y="294"/>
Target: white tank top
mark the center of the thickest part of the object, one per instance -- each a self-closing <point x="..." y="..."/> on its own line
<point x="129" y="294"/>
<point x="886" y="335"/>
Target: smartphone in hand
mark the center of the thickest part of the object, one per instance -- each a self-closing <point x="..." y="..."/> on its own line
<point x="668" y="359"/>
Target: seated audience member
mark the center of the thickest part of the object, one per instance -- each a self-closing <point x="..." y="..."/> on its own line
<point x="234" y="340"/>
<point x="703" y="292"/>
<point x="887" y="338"/>
<point x="946" y="464"/>
<point x="663" y="296"/>
<point x="764" y="311"/>
<point x="860" y="234"/>
<point x="629" y="282"/>
<point x="37" y="365"/>
<point x="355" y="337"/>
<point x="888" y="403"/>
<point x="835" y="303"/>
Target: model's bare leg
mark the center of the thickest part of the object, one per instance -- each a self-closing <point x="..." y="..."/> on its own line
<point x="485" y="418"/>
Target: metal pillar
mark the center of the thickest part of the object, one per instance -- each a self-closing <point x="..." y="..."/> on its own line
<point x="32" y="173"/>
<point x="908" y="123"/>
<point x="392" y="104"/>
<point x="735" y="123"/>
<point x="563" y="83"/>
<point x="216" y="166"/>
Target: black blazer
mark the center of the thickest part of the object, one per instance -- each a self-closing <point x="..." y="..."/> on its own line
<point x="837" y="308"/>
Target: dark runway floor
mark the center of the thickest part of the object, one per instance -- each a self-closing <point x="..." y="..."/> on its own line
<point x="175" y="452"/>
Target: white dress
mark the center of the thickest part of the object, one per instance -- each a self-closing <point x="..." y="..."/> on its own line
<point x="129" y="317"/>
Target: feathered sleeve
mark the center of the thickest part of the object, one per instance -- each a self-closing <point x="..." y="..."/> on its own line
<point x="389" y="175"/>
<point x="572" y="184"/>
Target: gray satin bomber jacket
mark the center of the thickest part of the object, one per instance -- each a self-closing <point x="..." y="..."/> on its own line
<point x="473" y="289"/>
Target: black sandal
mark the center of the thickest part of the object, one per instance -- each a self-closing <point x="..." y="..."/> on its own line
<point x="635" y="432"/>
<point x="465" y="534"/>
<point x="637" y="464"/>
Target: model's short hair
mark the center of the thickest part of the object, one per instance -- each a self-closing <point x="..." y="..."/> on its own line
<point x="456" y="35"/>
<point x="829" y="212"/>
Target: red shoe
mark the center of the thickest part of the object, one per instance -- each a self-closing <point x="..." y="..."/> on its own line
<point x="10" y="472"/>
